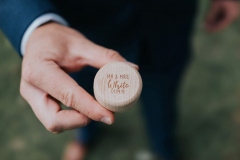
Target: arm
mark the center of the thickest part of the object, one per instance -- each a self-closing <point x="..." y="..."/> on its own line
<point x="52" y="51"/>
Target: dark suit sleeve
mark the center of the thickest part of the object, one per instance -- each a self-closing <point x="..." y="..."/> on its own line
<point x="17" y="15"/>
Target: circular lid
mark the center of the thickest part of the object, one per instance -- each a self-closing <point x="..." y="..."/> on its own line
<point x="117" y="86"/>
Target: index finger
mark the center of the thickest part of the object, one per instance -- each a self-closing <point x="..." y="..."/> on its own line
<point x="48" y="111"/>
<point x="53" y="80"/>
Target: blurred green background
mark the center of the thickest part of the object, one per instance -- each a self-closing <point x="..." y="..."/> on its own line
<point x="209" y="112"/>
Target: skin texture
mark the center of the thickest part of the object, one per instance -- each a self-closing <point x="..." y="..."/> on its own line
<point x="221" y="14"/>
<point x="53" y="51"/>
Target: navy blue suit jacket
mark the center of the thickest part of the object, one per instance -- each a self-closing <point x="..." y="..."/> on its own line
<point x="108" y="17"/>
<point x="17" y="15"/>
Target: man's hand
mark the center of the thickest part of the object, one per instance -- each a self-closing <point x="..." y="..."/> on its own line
<point x="222" y="13"/>
<point x="51" y="52"/>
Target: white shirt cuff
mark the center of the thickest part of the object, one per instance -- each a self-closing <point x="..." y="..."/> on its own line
<point x="38" y="22"/>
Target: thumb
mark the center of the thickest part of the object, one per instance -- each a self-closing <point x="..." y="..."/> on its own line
<point x="99" y="56"/>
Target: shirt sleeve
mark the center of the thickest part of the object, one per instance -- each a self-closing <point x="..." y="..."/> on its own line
<point x="17" y="15"/>
<point x="38" y="22"/>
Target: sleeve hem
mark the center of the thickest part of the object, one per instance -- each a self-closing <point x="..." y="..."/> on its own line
<point x="38" y="22"/>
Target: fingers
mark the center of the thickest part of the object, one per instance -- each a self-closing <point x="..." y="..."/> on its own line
<point x="54" y="81"/>
<point x="221" y="15"/>
<point x="52" y="51"/>
<point x="49" y="112"/>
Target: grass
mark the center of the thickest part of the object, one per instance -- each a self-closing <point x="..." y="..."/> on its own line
<point x="209" y="109"/>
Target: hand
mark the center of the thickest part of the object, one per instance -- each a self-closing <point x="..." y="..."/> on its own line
<point x="222" y="13"/>
<point x="52" y="51"/>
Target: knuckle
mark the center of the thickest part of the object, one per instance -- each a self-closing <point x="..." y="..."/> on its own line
<point x="85" y="122"/>
<point x="53" y="127"/>
<point x="68" y="98"/>
<point x="111" y="54"/>
<point x="22" y="90"/>
<point x="28" y="74"/>
<point x="87" y="112"/>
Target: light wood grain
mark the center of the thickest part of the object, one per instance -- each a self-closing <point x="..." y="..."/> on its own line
<point x="117" y="86"/>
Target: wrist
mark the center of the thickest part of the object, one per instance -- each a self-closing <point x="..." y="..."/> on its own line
<point x="43" y="19"/>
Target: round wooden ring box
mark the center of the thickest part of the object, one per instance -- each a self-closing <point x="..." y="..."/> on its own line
<point x="117" y="86"/>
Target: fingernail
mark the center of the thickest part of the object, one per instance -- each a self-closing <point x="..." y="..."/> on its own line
<point x="106" y="120"/>
<point x="133" y="65"/>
